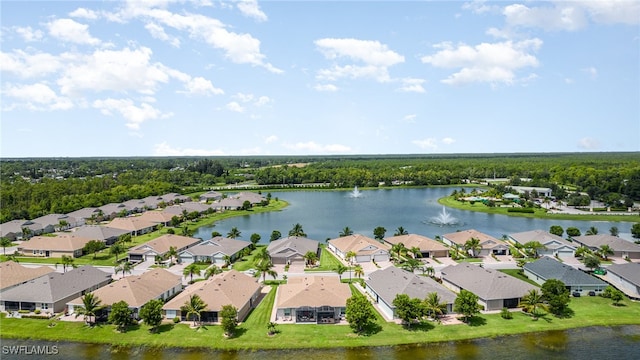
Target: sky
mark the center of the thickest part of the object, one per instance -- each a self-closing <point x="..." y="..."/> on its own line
<point x="237" y="78"/>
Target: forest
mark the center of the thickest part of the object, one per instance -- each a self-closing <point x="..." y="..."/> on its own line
<point x="39" y="186"/>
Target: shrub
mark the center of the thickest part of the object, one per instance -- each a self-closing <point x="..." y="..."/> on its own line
<point x="521" y="210"/>
<point x="37" y="311"/>
<point x="176" y="320"/>
<point x="506" y="314"/>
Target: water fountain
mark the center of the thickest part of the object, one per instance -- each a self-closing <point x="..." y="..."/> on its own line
<point x="355" y="193"/>
<point x="444" y="218"/>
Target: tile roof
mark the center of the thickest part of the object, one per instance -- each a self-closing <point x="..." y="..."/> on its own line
<point x="61" y="242"/>
<point x="162" y="244"/>
<point x="218" y="244"/>
<point x="549" y="240"/>
<point x="286" y="247"/>
<point x="98" y="232"/>
<point x="616" y="243"/>
<point x="486" y="241"/>
<point x="488" y="284"/>
<point x="131" y="223"/>
<point x="628" y="271"/>
<point x="414" y="240"/>
<point x="548" y="268"/>
<point x="313" y="291"/>
<point x="358" y="244"/>
<point x="12" y="273"/>
<point x="389" y="282"/>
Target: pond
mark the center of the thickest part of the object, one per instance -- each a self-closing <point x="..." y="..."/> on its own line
<point x="620" y="342"/>
<point x="323" y="214"/>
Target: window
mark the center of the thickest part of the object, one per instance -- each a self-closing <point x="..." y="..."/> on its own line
<point x="44" y="306"/>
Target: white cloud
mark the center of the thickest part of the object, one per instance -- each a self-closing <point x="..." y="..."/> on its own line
<point x="235" y="106"/>
<point x="251" y="9"/>
<point x="591" y="71"/>
<point x="164" y="149"/>
<point x="84" y="14"/>
<point x="250" y="98"/>
<point x="486" y="62"/>
<point x="28" y="34"/>
<point x="201" y="86"/>
<point x="158" y="32"/>
<point x="270" y="139"/>
<point x="588" y="143"/>
<point x="29" y="65"/>
<point x="135" y="115"/>
<point x="412" y="85"/>
<point x="448" y="141"/>
<point x="411" y="118"/>
<point x="326" y="87"/>
<point x="375" y="56"/>
<point x="70" y="31"/>
<point x="313" y="147"/>
<point x="262" y="100"/>
<point x="239" y="48"/>
<point x="429" y="143"/>
<point x="36" y="97"/>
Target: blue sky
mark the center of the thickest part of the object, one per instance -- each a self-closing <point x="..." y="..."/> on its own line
<point x="170" y="78"/>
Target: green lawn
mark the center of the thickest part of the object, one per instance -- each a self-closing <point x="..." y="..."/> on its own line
<point x="516" y="273"/>
<point x="589" y="311"/>
<point x="328" y="261"/>
<point x="246" y="262"/>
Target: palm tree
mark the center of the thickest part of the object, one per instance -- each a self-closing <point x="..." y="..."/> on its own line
<point x="533" y="303"/>
<point x="434" y="306"/>
<point x="592" y="231"/>
<point x="233" y="233"/>
<point x="532" y="248"/>
<point x="5" y="242"/>
<point x="67" y="261"/>
<point x="399" y="249"/>
<point x="255" y="238"/>
<point x="311" y="258"/>
<point x="212" y="270"/>
<point x="297" y="231"/>
<point x="262" y="256"/>
<point x="411" y="264"/>
<point x="125" y="267"/>
<point x="349" y="256"/>
<point x="26" y="232"/>
<point x="346" y="232"/>
<point x="400" y="231"/>
<point x="358" y="271"/>
<point x="604" y="251"/>
<point x="341" y="270"/>
<point x="416" y="252"/>
<point x="91" y="305"/>
<point x="190" y="270"/>
<point x="379" y="232"/>
<point x="614" y="231"/>
<point x="429" y="270"/>
<point x="473" y="245"/>
<point x="265" y="268"/>
<point x="582" y="251"/>
<point x="227" y="260"/>
<point x="172" y="254"/>
<point x="116" y="249"/>
<point x="194" y="308"/>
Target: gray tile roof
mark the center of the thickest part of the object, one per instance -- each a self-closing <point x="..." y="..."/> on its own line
<point x="284" y="248"/>
<point x="218" y="245"/>
<point x="488" y="284"/>
<point x="628" y="271"/>
<point x="616" y="243"/>
<point x="391" y="281"/>
<point x="98" y="232"/>
<point x="57" y="286"/>
<point x="549" y="240"/>
<point x="548" y="268"/>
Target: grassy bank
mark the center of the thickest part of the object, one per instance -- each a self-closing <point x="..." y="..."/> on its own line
<point x="538" y="213"/>
<point x="589" y="311"/>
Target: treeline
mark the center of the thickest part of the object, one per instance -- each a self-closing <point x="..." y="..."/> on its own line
<point x="35" y="187"/>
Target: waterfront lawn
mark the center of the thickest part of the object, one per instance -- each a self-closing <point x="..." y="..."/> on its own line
<point x="247" y="262"/>
<point x="517" y="273"/>
<point x="328" y="261"/>
<point x="252" y="334"/>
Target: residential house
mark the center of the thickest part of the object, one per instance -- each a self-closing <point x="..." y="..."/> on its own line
<point x="153" y="202"/>
<point x="575" y="280"/>
<point x="227" y="204"/>
<point x="292" y="249"/>
<point x="57" y="222"/>
<point x="429" y="248"/>
<point x="112" y="210"/>
<point x="159" y="217"/>
<point x="135" y="206"/>
<point x="106" y="234"/>
<point x="228" y="288"/>
<point x="174" y="198"/>
<point x="384" y="285"/>
<point x="365" y="248"/>
<point x="251" y="197"/>
<point x="160" y="247"/>
<point x="214" y="251"/>
<point x="135" y="225"/>
<point x="211" y="196"/>
<point x="496" y="290"/>
<point x="51" y="292"/>
<point x="554" y="245"/>
<point x="68" y="244"/>
<point x="13" y="230"/>
<point x="136" y="291"/>
<point x="312" y="299"/>
<point x="489" y="244"/>
<point x="621" y="248"/>
<point x="626" y="278"/>
<point x="13" y="274"/>
<point x="85" y="214"/>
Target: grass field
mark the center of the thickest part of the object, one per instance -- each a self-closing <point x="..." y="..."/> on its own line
<point x="252" y="334"/>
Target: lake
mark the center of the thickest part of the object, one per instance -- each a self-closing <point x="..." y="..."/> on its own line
<point x="323" y="214"/>
<point x="620" y="342"/>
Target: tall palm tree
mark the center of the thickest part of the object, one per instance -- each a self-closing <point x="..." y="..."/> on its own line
<point x="592" y="231"/>
<point x="233" y="233"/>
<point x="297" y="231"/>
<point x="346" y="232"/>
<point x="172" y="254"/>
<point x="311" y="258"/>
<point x="400" y="231"/>
<point x="473" y="245"/>
<point x="212" y="270"/>
<point x="399" y="249"/>
<point x="349" y="256"/>
<point x="116" y="249"/>
<point x="533" y="303"/>
<point x="416" y="252"/>
<point x="411" y="264"/>
<point x="125" y="267"/>
<point x="358" y="271"/>
<point x="67" y="261"/>
<point x="194" y="308"/>
<point x="91" y="304"/>
<point x="265" y="268"/>
<point x="227" y="260"/>
<point x="604" y="251"/>
<point x="190" y="270"/>
<point x="379" y="232"/>
<point x="614" y="231"/>
<point x="341" y="270"/>
<point x="434" y="306"/>
<point x="262" y="256"/>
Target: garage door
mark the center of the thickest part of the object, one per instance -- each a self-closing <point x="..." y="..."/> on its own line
<point x="565" y="254"/>
<point x="381" y="257"/>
